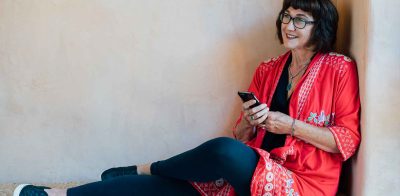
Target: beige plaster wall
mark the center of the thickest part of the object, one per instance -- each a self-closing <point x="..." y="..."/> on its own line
<point x="87" y="85"/>
<point x="369" y="33"/>
<point x="382" y="133"/>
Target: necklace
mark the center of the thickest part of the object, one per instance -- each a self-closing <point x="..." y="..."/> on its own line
<point x="291" y="76"/>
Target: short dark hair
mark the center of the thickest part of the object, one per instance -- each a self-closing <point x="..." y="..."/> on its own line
<point x="323" y="35"/>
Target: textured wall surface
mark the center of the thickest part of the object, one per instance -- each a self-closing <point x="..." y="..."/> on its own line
<point x="87" y="85"/>
<point x="382" y="135"/>
<point x="369" y="33"/>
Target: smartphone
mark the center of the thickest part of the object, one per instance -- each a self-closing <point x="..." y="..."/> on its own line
<point x="247" y="96"/>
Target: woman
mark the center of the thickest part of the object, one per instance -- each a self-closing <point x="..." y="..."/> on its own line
<point x="293" y="144"/>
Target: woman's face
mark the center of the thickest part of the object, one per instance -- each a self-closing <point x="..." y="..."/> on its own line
<point x="295" y="37"/>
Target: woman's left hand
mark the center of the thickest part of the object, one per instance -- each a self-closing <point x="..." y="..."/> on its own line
<point x="278" y="123"/>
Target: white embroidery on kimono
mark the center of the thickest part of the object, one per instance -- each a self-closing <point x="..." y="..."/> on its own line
<point x="340" y="55"/>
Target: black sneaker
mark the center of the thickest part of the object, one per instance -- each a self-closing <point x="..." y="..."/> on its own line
<point x="30" y="190"/>
<point x="118" y="171"/>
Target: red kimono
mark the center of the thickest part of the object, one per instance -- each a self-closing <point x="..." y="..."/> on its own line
<point x="326" y="96"/>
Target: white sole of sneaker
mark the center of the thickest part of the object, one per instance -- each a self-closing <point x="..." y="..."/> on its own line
<point x="19" y="188"/>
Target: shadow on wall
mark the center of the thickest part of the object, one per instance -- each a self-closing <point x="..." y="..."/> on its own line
<point x="346" y="177"/>
<point x="343" y="45"/>
<point x="344" y="30"/>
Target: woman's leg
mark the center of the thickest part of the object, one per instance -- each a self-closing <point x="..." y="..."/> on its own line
<point x="135" y="185"/>
<point x="218" y="158"/>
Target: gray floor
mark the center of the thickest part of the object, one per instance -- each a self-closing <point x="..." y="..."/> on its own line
<point x="7" y="189"/>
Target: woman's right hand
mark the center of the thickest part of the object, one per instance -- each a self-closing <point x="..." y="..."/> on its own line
<point x="251" y="118"/>
<point x="257" y="115"/>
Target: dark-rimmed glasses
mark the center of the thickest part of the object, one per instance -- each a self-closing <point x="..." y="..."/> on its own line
<point x="299" y="23"/>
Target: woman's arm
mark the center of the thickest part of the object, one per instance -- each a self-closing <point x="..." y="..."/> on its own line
<point x="320" y="137"/>
<point x="244" y="131"/>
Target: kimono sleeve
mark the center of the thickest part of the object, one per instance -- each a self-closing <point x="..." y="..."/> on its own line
<point x="345" y="128"/>
<point x="254" y="87"/>
<point x="256" y="82"/>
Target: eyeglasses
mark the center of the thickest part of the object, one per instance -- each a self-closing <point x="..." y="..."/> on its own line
<point x="299" y="23"/>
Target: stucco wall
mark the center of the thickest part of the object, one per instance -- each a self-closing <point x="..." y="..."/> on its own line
<point x="382" y="126"/>
<point x="369" y="33"/>
<point x="87" y="85"/>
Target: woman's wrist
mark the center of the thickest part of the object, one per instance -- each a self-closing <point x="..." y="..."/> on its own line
<point x="292" y="127"/>
<point x="242" y="130"/>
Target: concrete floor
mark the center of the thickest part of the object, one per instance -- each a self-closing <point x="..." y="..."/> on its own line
<point x="7" y="189"/>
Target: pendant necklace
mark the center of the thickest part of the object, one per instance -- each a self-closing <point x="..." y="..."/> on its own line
<point x="291" y="76"/>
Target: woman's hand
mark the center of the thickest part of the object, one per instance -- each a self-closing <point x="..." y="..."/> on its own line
<point x="257" y="115"/>
<point x="252" y="117"/>
<point x="278" y="123"/>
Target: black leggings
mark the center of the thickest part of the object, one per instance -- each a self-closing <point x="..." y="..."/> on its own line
<point x="218" y="158"/>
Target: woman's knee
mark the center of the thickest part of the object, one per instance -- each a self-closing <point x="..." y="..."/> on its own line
<point x="226" y="149"/>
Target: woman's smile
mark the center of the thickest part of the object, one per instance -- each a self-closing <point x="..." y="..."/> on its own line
<point x="291" y="36"/>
